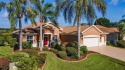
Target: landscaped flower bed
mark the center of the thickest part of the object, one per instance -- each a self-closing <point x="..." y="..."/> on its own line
<point x="69" y="52"/>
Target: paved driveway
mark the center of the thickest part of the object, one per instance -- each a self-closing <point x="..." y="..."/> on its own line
<point x="110" y="51"/>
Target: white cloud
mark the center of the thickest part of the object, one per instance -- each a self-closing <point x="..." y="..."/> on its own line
<point x="114" y="2"/>
<point x="5" y="14"/>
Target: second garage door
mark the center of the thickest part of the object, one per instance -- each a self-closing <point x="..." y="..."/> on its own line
<point x="91" y="41"/>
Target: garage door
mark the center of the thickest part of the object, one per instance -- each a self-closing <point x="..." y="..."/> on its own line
<point x="91" y="41"/>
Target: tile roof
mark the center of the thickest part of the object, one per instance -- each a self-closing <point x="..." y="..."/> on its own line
<point x="73" y="29"/>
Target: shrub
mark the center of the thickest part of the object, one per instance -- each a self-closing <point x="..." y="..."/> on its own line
<point x="26" y="45"/>
<point x="72" y="44"/>
<point x="42" y="57"/>
<point x="27" y="64"/>
<point x="12" y="42"/>
<point x="84" y="49"/>
<point x="6" y="36"/>
<point x="108" y="43"/>
<point x="62" y="54"/>
<point x="62" y="48"/>
<point x="74" y="56"/>
<point x="54" y="50"/>
<point x="32" y="63"/>
<point x="54" y="45"/>
<point x="1" y="41"/>
<point x="121" y="43"/>
<point x="16" y="57"/>
<point x="71" y="51"/>
<point x="45" y="48"/>
<point x="31" y="53"/>
<point x="4" y="64"/>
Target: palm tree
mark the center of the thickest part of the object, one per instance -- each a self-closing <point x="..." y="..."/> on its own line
<point x="121" y="26"/>
<point x="47" y="12"/>
<point x="80" y="9"/>
<point x="18" y="9"/>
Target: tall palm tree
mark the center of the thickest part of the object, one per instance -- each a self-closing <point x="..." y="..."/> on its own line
<point x="80" y="9"/>
<point x="47" y="12"/>
<point x="18" y="9"/>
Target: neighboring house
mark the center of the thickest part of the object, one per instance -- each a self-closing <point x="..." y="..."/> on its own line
<point x="91" y="36"/>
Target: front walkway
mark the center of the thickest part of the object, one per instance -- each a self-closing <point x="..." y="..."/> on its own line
<point x="110" y="51"/>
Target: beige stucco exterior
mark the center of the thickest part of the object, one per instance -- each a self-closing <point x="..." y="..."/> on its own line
<point x="89" y="32"/>
<point x="94" y="31"/>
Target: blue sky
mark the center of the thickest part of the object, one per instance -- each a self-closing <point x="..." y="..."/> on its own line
<point x="115" y="10"/>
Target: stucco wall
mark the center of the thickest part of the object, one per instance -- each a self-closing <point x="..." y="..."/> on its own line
<point x="91" y="31"/>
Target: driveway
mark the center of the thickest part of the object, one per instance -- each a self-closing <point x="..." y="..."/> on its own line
<point x="110" y="51"/>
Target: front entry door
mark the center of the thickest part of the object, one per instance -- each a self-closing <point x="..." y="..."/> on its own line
<point x="46" y="40"/>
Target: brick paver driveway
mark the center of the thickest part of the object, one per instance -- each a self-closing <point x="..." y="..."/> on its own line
<point x="110" y="51"/>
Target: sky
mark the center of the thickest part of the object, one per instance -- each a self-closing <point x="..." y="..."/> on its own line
<point x="115" y="11"/>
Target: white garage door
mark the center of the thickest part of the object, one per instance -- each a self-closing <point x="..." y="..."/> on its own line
<point x="91" y="41"/>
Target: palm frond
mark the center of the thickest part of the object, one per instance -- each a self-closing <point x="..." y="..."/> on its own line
<point x="2" y="5"/>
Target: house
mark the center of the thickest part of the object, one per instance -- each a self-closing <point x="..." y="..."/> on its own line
<point x="91" y="36"/>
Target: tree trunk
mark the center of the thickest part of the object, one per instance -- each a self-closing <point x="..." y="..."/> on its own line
<point x="20" y="35"/>
<point x="78" y="26"/>
<point x="41" y="38"/>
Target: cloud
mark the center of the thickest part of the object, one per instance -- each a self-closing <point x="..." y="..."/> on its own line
<point x="114" y="2"/>
<point x="5" y="14"/>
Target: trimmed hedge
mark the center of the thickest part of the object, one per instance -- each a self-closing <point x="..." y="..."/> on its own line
<point x="62" y="48"/>
<point x="72" y="44"/>
<point x="83" y="49"/>
<point x="4" y="64"/>
<point x="71" y="51"/>
<point x="54" y="50"/>
<point x="121" y="43"/>
<point x="62" y="54"/>
<point x="54" y="45"/>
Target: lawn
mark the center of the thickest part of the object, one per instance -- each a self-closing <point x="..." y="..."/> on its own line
<point x="93" y="62"/>
<point x="7" y="51"/>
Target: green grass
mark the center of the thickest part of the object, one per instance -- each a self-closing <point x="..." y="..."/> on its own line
<point x="93" y="62"/>
<point x="7" y="51"/>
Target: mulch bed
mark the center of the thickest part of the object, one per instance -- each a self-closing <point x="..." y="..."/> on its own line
<point x="24" y="50"/>
<point x="81" y="58"/>
<point x="68" y="58"/>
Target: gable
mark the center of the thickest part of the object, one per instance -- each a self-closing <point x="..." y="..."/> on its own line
<point x="92" y="31"/>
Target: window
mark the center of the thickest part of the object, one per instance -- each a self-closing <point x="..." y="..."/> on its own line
<point x="30" y="38"/>
<point x="56" y="38"/>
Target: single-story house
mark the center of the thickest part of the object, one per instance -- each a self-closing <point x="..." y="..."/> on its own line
<point x="91" y="36"/>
